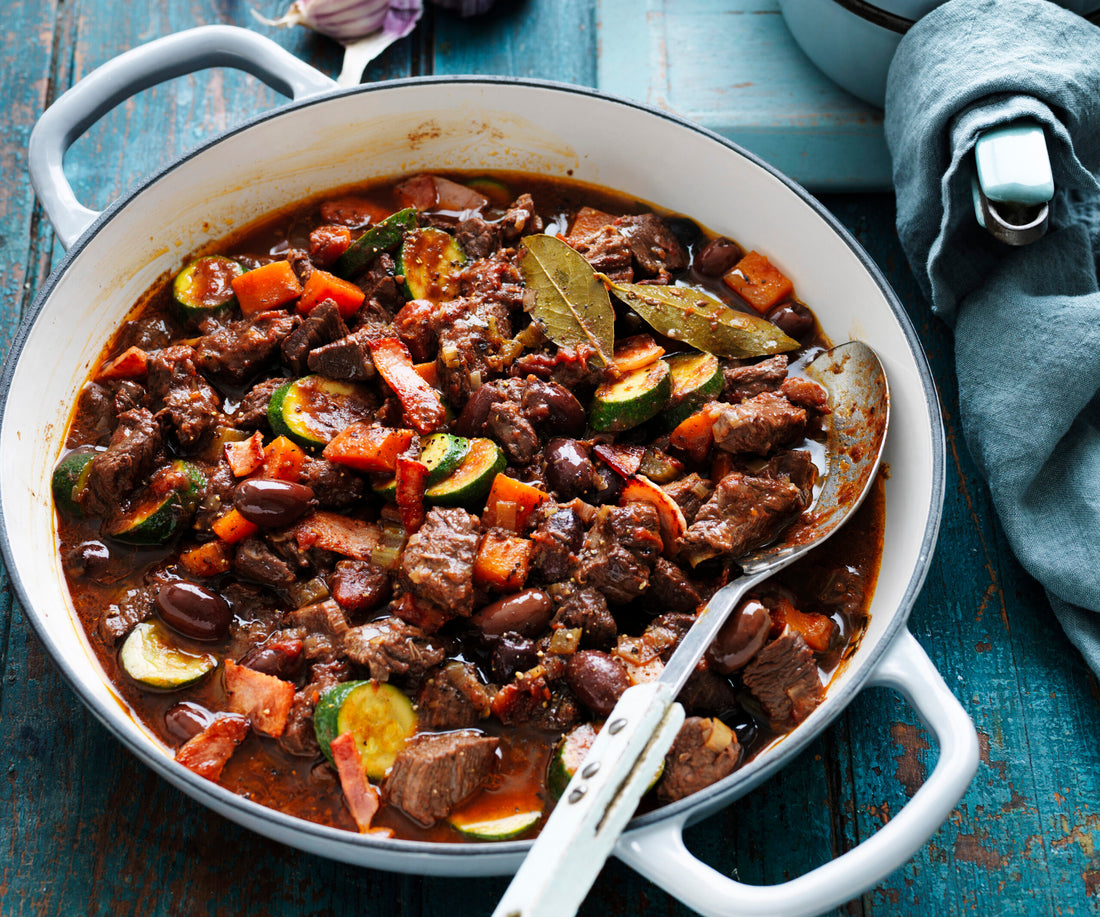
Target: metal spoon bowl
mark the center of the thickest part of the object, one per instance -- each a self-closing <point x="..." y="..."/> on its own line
<point x="578" y="837"/>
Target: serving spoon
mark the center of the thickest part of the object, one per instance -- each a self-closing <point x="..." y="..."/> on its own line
<point x="595" y="807"/>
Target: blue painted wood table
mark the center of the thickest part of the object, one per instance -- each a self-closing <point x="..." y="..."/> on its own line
<point x="90" y="831"/>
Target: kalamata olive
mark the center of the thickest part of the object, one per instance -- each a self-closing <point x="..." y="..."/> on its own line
<point x="281" y="658"/>
<point x="513" y="653"/>
<point x="609" y="485"/>
<point x="474" y="416"/>
<point x="88" y="559"/>
<point x="569" y="470"/>
<point x="740" y="637"/>
<point x="685" y="230"/>
<point x="717" y="257"/>
<point x="552" y="408"/>
<point x="526" y="613"/>
<point x="194" y="611"/>
<point x="596" y="679"/>
<point x="187" y="719"/>
<point x="270" y="502"/>
<point x="793" y="319"/>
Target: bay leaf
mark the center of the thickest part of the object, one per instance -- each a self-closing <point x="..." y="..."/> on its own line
<point x="702" y="321"/>
<point x="570" y="300"/>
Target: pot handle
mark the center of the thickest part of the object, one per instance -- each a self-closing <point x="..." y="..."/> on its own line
<point x="83" y="104"/>
<point x="659" y="853"/>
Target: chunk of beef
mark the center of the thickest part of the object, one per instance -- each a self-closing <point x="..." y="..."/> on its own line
<point x="805" y="393"/>
<point x="133" y="450"/>
<point x="383" y="293"/>
<point x="437" y="565"/>
<point x="348" y="358"/>
<point x="587" y="609"/>
<point x="796" y="466"/>
<point x="389" y="646"/>
<point x="573" y="368"/>
<point x="360" y="586"/>
<point x="219" y="494"/>
<point x="558" y="536"/>
<point x="453" y="697"/>
<point x="531" y="700"/>
<point x="240" y="349"/>
<point x="705" y="751"/>
<point x="609" y="252"/>
<point x="183" y="399"/>
<point x="434" y="772"/>
<point x="333" y="484"/>
<point x="251" y="413"/>
<point x="619" y="551"/>
<point x="148" y="332"/>
<point x="783" y="677"/>
<point x="478" y="237"/>
<point x="671" y="589"/>
<point x="521" y="219"/>
<point x="255" y="560"/>
<point x="322" y="326"/>
<point x="690" y="493"/>
<point x="120" y="617"/>
<point x="513" y="431"/>
<point x="323" y="627"/>
<point x="298" y="259"/>
<point x="656" y="250"/>
<point x="665" y="632"/>
<point x="744" y="513"/>
<point x="513" y="409"/>
<point x="745" y="382"/>
<point x="299" y="737"/>
<point x="759" y="425"/>
<point x="469" y="354"/>
<point x="707" y="692"/>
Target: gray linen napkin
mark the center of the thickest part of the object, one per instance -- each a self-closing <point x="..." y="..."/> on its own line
<point x="1027" y="320"/>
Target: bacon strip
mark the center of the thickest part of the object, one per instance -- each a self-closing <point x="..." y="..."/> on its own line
<point x="361" y="795"/>
<point x="207" y="753"/>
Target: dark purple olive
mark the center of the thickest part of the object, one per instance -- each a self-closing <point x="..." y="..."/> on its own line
<point x="740" y="637"/>
<point x="194" y="611"/>
<point x="187" y="719"/>
<point x="281" y="658"/>
<point x="609" y="485"/>
<point x="686" y="231"/>
<point x="526" y="613"/>
<point x="717" y="257"/>
<point x="793" y="319"/>
<point x="596" y="679"/>
<point x="474" y="416"/>
<point x="88" y="559"/>
<point x="569" y="470"/>
<point x="553" y="409"/>
<point x="271" y="503"/>
<point x="513" y="653"/>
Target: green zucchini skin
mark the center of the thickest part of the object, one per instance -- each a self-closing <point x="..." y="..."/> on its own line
<point x="696" y="379"/>
<point x="430" y="261"/>
<point x="149" y="656"/>
<point x="470" y="481"/>
<point x="163" y="508"/>
<point x="383" y="237"/>
<point x="379" y="715"/>
<point x="204" y="287"/>
<point x="502" y="828"/>
<point x="632" y="399"/>
<point x="442" y="453"/>
<point x="68" y="480"/>
<point x="313" y="409"/>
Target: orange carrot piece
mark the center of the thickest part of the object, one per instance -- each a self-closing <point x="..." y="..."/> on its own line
<point x="511" y="503"/>
<point x="412" y="482"/>
<point x="283" y="460"/>
<point x="502" y="561"/>
<point x="130" y="364"/>
<point x="245" y="455"/>
<point x="816" y="629"/>
<point x="420" y="402"/>
<point x="368" y="448"/>
<point x="270" y="286"/>
<point x="210" y="559"/>
<point x="322" y="285"/>
<point x="695" y="434"/>
<point x="635" y="352"/>
<point x="429" y="372"/>
<point x="233" y="527"/>
<point x="760" y="283"/>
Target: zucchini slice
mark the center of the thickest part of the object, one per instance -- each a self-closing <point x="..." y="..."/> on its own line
<point x="69" y="478"/>
<point x="379" y="716"/>
<point x="497" y="191"/>
<point x="471" y="480"/>
<point x="163" y="508"/>
<point x="430" y="261"/>
<point x="495" y="827"/>
<point x="568" y="756"/>
<point x="205" y="286"/>
<point x="150" y="657"/>
<point x="632" y="399"/>
<point x="313" y="409"/>
<point x="380" y="238"/>
<point x="696" y="379"/>
<point x="442" y="453"/>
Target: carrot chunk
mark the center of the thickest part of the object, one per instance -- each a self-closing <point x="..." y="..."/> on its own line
<point x="695" y="434"/>
<point x="209" y="559"/>
<point x="502" y="561"/>
<point x="283" y="459"/>
<point x="130" y="364"/>
<point x="760" y="283"/>
<point x="368" y="448"/>
<point x="511" y="503"/>
<point x="270" y="286"/>
<point x="322" y="285"/>
<point x="233" y="527"/>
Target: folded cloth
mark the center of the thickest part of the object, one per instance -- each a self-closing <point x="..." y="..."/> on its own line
<point x="1027" y="320"/>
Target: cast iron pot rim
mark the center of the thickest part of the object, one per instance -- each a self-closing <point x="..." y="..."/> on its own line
<point x="693" y="807"/>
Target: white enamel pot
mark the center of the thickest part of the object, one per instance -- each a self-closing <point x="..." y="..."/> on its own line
<point x="326" y="138"/>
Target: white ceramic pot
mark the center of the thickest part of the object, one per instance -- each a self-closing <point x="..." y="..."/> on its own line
<point x="327" y="138"/>
<point x="852" y="42"/>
